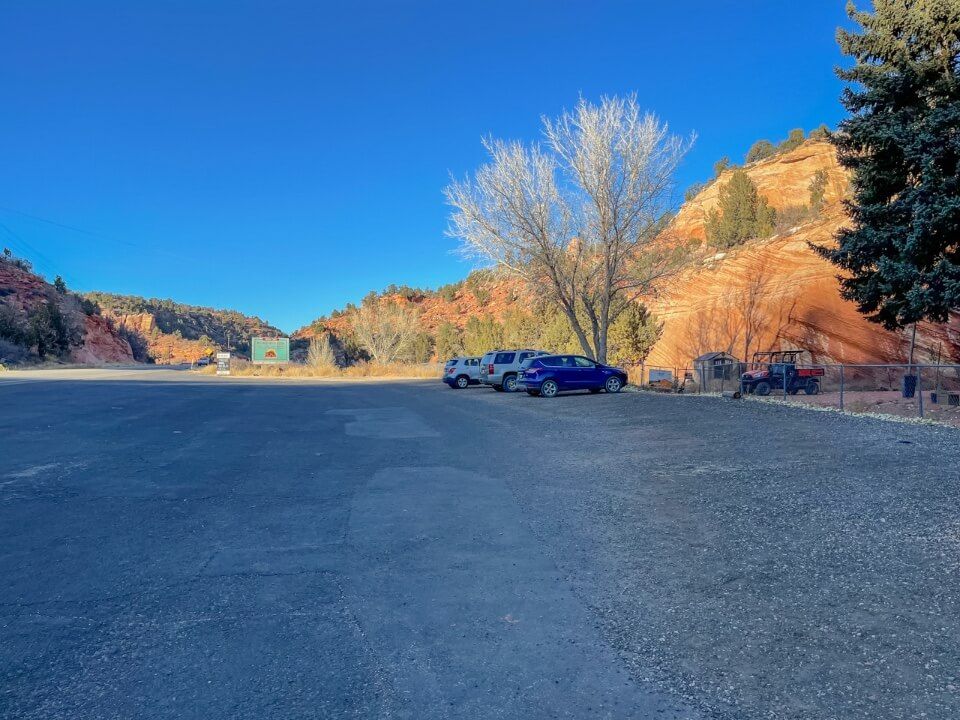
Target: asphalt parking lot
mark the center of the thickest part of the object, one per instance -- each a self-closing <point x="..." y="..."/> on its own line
<point x="183" y="546"/>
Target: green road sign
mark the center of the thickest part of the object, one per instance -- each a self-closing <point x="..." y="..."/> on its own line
<point x="270" y="351"/>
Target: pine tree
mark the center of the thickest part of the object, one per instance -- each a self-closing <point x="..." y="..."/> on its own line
<point x="449" y="341"/>
<point x="901" y="254"/>
<point x="759" y="150"/>
<point x="818" y="190"/>
<point x="742" y="214"/>
<point x="633" y="335"/>
<point x="794" y="140"/>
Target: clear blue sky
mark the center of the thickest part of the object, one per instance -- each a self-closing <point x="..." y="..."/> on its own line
<point x="283" y="158"/>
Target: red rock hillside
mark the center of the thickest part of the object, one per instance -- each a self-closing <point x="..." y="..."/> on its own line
<point x="96" y="339"/>
<point x="777" y="293"/>
<point x="774" y="293"/>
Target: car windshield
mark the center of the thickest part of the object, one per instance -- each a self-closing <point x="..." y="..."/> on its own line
<point x="451" y="362"/>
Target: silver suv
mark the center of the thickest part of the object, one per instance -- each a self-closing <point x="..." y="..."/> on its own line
<point x="461" y="372"/>
<point x="500" y="368"/>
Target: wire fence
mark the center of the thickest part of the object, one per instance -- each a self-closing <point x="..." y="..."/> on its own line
<point x="905" y="390"/>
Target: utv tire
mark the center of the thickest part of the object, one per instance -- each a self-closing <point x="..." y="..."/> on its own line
<point x="812" y="387"/>
<point x="510" y="383"/>
<point x="462" y="382"/>
<point x="613" y="384"/>
<point x="762" y="388"/>
<point x="549" y="389"/>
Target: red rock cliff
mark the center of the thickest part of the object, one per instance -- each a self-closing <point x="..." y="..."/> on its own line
<point x="778" y="293"/>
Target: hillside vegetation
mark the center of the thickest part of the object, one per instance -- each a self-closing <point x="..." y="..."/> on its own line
<point x="165" y="331"/>
<point x="41" y="321"/>
<point x="753" y="282"/>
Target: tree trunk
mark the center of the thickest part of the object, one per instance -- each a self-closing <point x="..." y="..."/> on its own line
<point x="577" y="330"/>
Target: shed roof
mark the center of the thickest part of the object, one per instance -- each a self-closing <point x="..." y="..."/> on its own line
<point x="713" y="356"/>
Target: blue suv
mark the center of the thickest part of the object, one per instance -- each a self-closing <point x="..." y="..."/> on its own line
<point x="549" y="374"/>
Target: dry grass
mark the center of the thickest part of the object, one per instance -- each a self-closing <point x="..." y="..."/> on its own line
<point x="242" y="368"/>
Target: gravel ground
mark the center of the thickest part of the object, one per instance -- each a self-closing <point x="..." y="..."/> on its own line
<point x="760" y="561"/>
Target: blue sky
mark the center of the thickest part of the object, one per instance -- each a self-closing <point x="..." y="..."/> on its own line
<point x="284" y="158"/>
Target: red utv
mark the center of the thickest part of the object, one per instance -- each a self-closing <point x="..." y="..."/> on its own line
<point x="778" y="370"/>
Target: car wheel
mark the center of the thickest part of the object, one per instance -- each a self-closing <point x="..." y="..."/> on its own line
<point x="549" y="388"/>
<point x="812" y="387"/>
<point x="613" y="384"/>
<point x="510" y="383"/>
<point x="762" y="388"/>
<point x="463" y="381"/>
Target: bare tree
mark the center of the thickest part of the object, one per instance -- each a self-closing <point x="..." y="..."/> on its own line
<point x="321" y="353"/>
<point x="384" y="328"/>
<point x="581" y="216"/>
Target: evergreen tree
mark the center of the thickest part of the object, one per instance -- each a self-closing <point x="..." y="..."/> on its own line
<point x="901" y="254"/>
<point x="794" y="140"/>
<point x="59" y="285"/>
<point x="481" y="335"/>
<point x="48" y="330"/>
<point x="742" y="214"/>
<point x="759" y="150"/>
<point x="720" y="165"/>
<point x="633" y="335"/>
<point x="449" y="341"/>
<point x="821" y="133"/>
<point x="691" y="192"/>
<point x="818" y="189"/>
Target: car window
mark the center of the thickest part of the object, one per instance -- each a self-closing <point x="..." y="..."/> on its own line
<point x="556" y="361"/>
<point x="525" y="355"/>
<point x="504" y="358"/>
<point x="451" y="363"/>
<point x="583" y="362"/>
<point x="472" y="362"/>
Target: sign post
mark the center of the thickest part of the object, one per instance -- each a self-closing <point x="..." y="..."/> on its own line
<point x="223" y="363"/>
<point x="270" y="351"/>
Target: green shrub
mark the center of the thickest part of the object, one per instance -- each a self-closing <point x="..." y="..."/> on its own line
<point x="760" y="150"/>
<point x="794" y="140"/>
<point x="742" y="214"/>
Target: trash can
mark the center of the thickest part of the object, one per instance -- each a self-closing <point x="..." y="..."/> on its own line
<point x="909" y="385"/>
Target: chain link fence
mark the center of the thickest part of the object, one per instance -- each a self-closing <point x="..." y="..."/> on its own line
<point x="929" y="391"/>
<point x="904" y="390"/>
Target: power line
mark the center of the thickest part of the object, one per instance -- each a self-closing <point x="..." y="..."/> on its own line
<point x="48" y="265"/>
<point x="91" y="233"/>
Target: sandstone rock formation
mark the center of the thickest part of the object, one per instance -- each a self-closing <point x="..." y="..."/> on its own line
<point x="778" y="293"/>
<point x="21" y="292"/>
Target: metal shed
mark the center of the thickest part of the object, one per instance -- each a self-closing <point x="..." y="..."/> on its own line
<point x="718" y="365"/>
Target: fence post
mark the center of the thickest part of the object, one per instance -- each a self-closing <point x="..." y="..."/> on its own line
<point x="920" y="389"/>
<point x="841" y="388"/>
<point x="723" y="374"/>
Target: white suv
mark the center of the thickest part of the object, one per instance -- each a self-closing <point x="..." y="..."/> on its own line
<point x="460" y="372"/>
<point x="500" y="368"/>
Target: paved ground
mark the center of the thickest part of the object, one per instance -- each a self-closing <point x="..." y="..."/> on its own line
<point x="180" y="547"/>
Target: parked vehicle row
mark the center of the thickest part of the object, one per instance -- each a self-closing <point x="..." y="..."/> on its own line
<point x="537" y="372"/>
